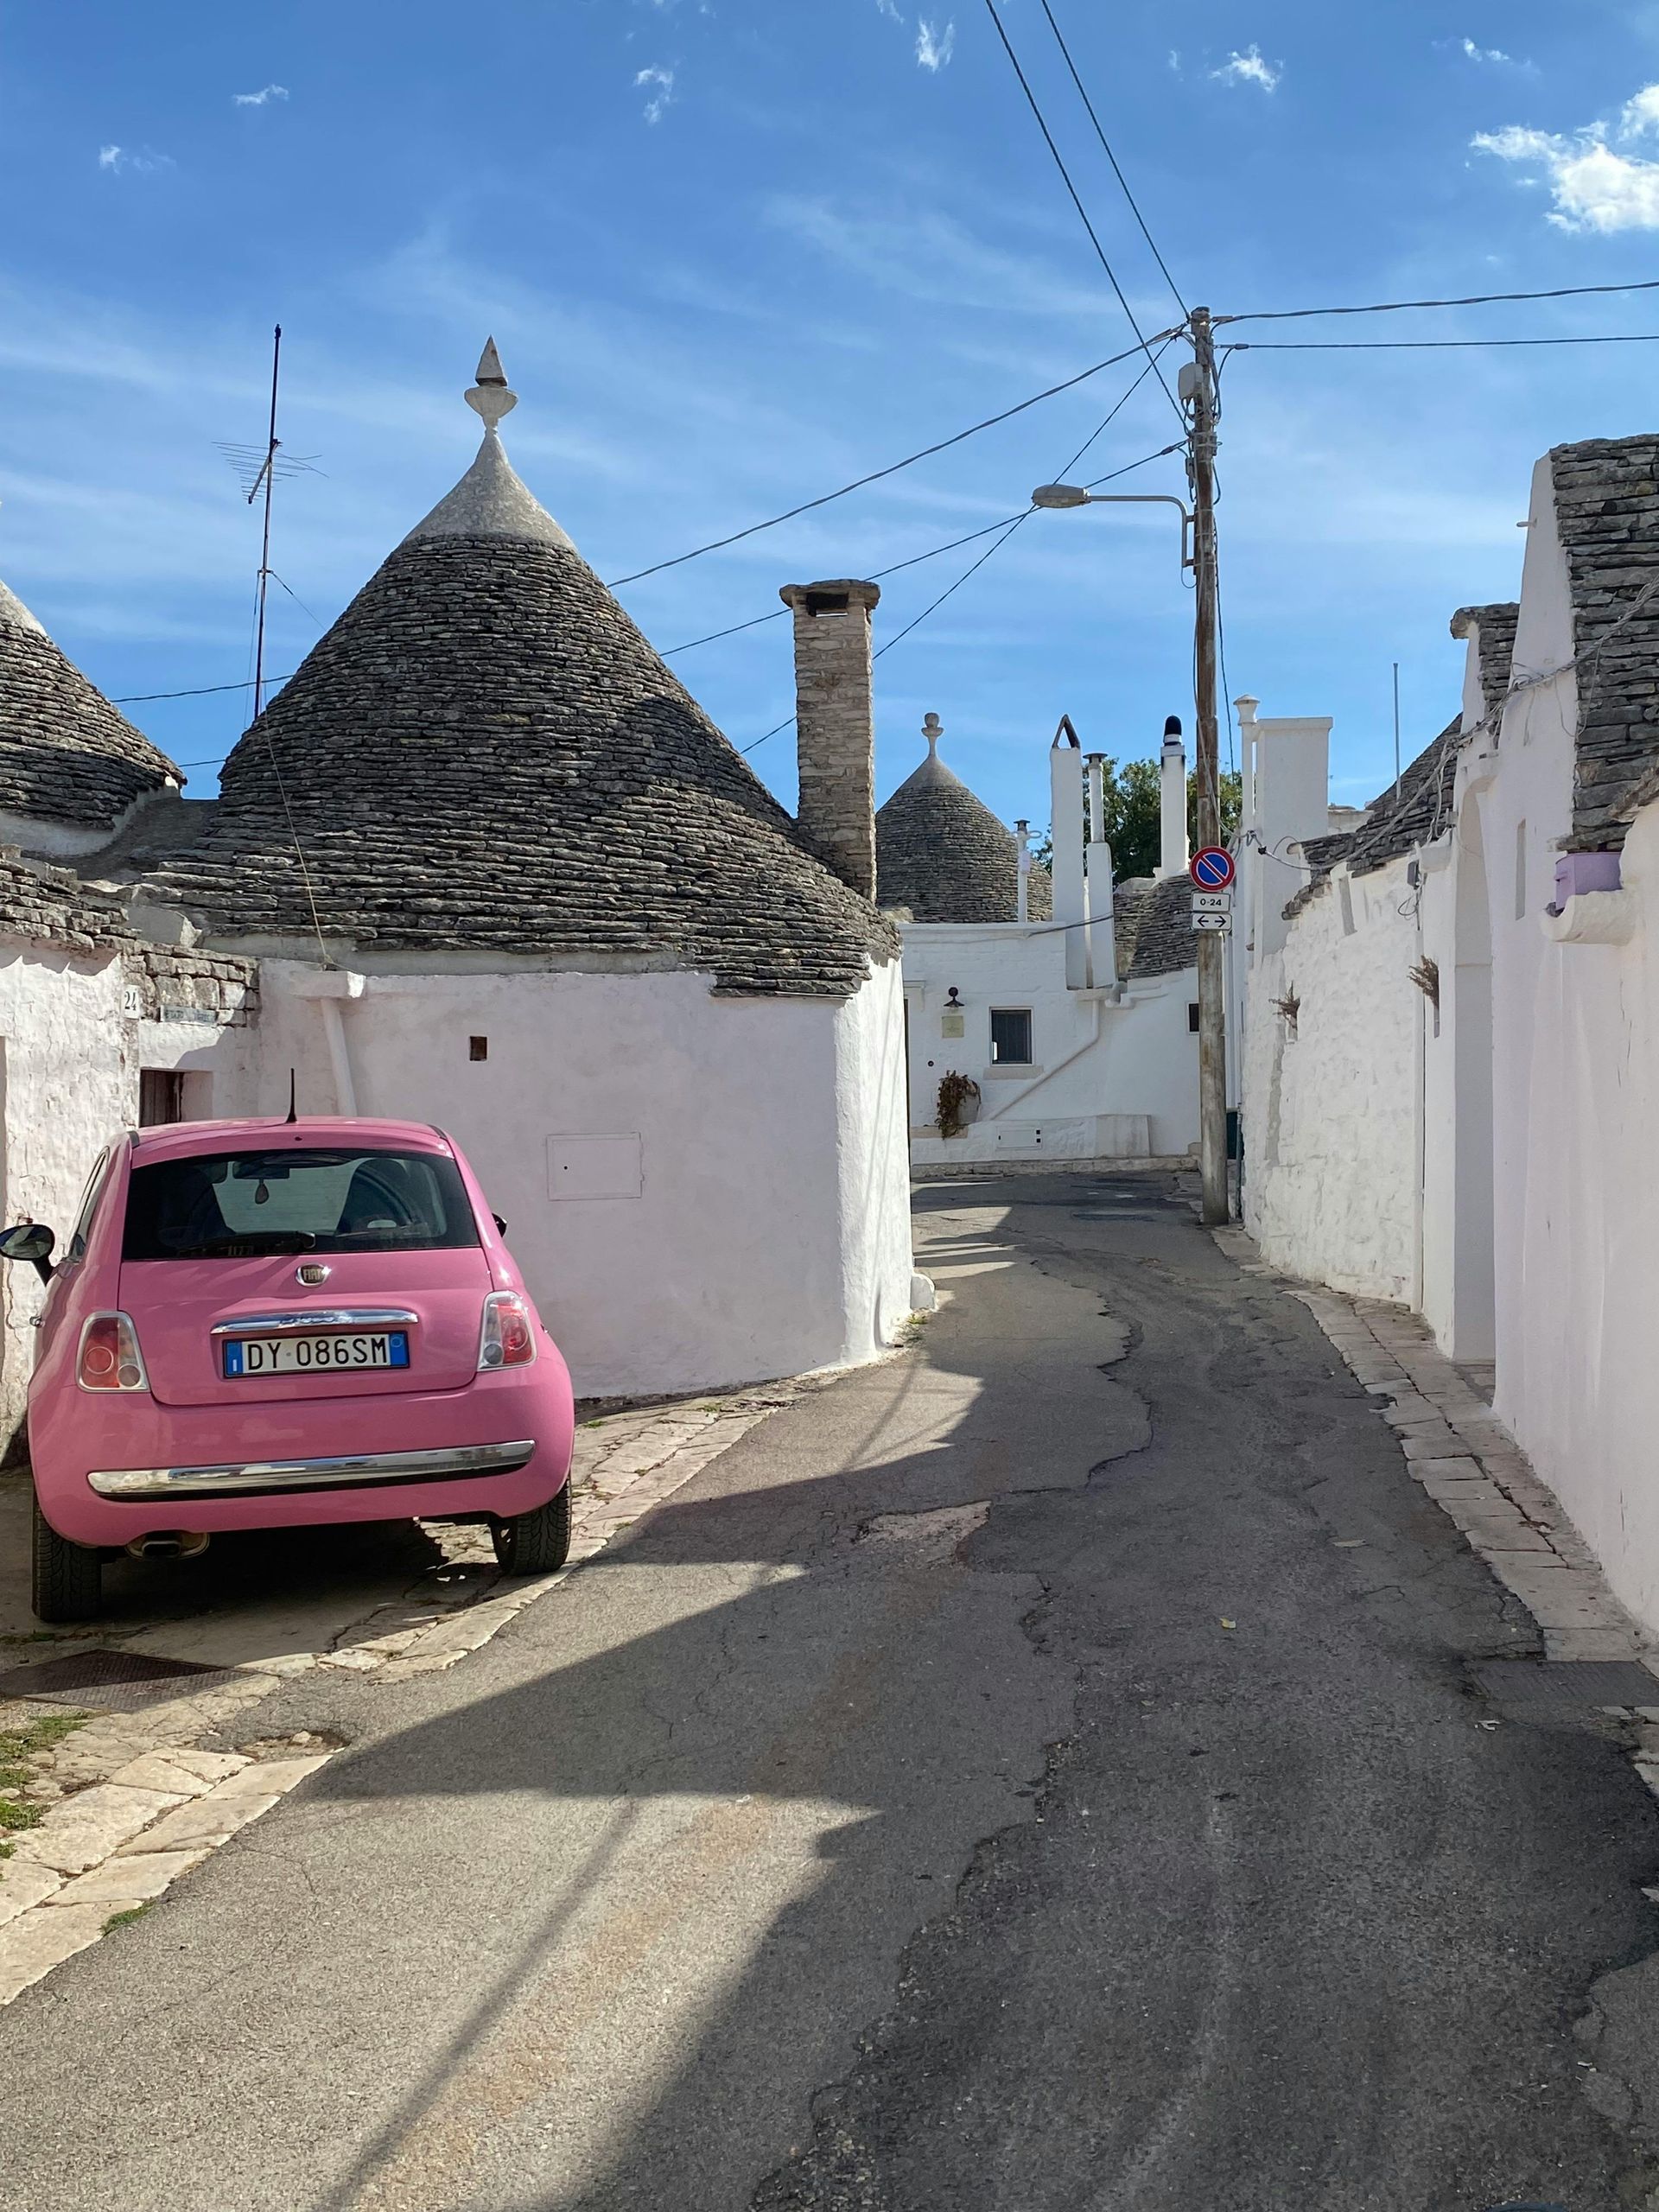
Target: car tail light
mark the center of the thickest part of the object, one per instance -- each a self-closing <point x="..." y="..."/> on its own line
<point x="509" y="1335"/>
<point x="110" y="1358"/>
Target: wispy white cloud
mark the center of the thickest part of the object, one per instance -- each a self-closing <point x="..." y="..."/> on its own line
<point x="928" y="255"/>
<point x="117" y="159"/>
<point x="1249" y="68"/>
<point x="934" y="46"/>
<point x="266" y="93"/>
<point x="887" y="7"/>
<point x="1595" y="186"/>
<point x="1484" y="52"/>
<point x="659" y="83"/>
<point x="1175" y="59"/>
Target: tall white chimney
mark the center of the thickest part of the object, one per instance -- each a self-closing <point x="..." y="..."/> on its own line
<point x="1173" y="770"/>
<point x="1065" y="782"/>
<point x="1097" y="885"/>
<point x="1022" y="881"/>
<point x="834" y="726"/>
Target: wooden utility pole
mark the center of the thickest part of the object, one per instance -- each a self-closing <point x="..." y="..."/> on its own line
<point x="1212" y="998"/>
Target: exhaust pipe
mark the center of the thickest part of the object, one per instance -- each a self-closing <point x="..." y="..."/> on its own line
<point x="170" y="1543"/>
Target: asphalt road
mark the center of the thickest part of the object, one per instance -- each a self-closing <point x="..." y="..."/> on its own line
<point x="999" y="1783"/>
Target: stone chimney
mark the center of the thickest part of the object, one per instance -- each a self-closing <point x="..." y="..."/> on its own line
<point x="834" y="726"/>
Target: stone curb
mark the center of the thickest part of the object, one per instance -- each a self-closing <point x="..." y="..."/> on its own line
<point x="132" y="1799"/>
<point x="1470" y="1465"/>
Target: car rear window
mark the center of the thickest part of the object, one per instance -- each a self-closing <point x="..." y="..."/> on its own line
<point x="237" y="1204"/>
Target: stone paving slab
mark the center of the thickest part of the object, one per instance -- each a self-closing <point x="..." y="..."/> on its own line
<point x="92" y="1825"/>
<point x="1471" y="1465"/>
<point x="130" y="1800"/>
<point x="130" y="1877"/>
<point x="41" y="1940"/>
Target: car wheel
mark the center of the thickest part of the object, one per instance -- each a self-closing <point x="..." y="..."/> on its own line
<point x="538" y="1542"/>
<point x="67" y="1581"/>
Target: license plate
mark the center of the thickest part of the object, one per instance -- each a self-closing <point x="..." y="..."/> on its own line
<point x="329" y="1355"/>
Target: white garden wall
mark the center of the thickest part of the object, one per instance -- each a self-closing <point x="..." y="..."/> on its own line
<point x="1110" y="1077"/>
<point x="701" y="1190"/>
<point x="70" y="1056"/>
<point x="1331" y="1117"/>
<point x="1576" y="1104"/>
<point x="1579" y="1319"/>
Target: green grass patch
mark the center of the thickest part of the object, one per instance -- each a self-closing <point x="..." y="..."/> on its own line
<point x="125" y="1919"/>
<point x="39" y="1735"/>
<point x="18" y="1745"/>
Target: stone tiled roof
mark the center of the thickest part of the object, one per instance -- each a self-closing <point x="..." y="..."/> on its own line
<point x="1495" y="628"/>
<point x="943" y="853"/>
<point x="51" y="906"/>
<point x="483" y="753"/>
<point x="1153" y="928"/>
<point x="66" y="754"/>
<point x="1421" y="809"/>
<point x="1607" y="510"/>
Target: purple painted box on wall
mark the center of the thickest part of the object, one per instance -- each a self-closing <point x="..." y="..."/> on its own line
<point x="1577" y="872"/>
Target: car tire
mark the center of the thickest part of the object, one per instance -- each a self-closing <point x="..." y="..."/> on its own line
<point x="67" y="1579"/>
<point x="538" y="1542"/>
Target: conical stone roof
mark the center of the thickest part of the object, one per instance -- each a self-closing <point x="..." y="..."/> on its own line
<point x="66" y="754"/>
<point x="483" y="753"/>
<point x="942" y="853"/>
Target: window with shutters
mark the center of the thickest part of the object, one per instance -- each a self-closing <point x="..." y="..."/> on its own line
<point x="1010" y="1036"/>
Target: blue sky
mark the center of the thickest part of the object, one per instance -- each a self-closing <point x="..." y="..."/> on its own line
<point x="735" y="253"/>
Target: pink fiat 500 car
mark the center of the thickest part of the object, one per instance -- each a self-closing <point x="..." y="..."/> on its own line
<point x="266" y="1324"/>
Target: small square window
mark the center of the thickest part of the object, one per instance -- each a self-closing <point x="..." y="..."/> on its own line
<point x="1010" y="1036"/>
<point x="478" y="1048"/>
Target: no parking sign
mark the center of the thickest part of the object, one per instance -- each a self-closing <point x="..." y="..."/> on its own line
<point x="1211" y="868"/>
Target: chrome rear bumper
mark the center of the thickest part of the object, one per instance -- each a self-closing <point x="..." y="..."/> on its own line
<point x="353" y="1471"/>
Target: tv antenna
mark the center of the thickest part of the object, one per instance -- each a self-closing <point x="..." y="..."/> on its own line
<point x="258" y="468"/>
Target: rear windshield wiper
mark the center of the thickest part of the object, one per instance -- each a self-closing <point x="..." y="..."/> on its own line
<point x="254" y="1241"/>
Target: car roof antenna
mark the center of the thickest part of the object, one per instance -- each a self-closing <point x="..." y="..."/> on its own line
<point x="293" y="1091"/>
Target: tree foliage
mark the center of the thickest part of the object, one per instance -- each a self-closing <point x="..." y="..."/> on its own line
<point x="1134" y="816"/>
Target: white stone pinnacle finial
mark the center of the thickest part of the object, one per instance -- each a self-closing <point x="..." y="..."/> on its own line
<point x="489" y="397"/>
<point x="932" y="730"/>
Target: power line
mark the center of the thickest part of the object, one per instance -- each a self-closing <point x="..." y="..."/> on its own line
<point x="734" y="629"/>
<point x="972" y="569"/>
<point x="1007" y="529"/>
<point x="1473" y="300"/>
<point x="715" y="544"/>
<point x="1427" y="345"/>
<point x="776" y="613"/>
<point x="1065" y="178"/>
<point x="755" y="622"/>
<point x="1106" y="148"/>
<point x="197" y="691"/>
<point x="971" y="536"/>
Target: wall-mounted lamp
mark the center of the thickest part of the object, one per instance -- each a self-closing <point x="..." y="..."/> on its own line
<point x="951" y="997"/>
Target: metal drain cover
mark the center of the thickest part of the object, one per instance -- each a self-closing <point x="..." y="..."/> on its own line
<point x="1565" y="1690"/>
<point x="106" y="1678"/>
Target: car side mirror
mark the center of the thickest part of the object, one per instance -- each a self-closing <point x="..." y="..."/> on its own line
<point x="500" y="1224"/>
<point x="32" y="1241"/>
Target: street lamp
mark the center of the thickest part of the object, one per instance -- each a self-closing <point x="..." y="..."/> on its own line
<point x="1074" y="495"/>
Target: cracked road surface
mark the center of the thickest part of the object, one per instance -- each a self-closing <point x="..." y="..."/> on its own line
<point x="1037" y="1773"/>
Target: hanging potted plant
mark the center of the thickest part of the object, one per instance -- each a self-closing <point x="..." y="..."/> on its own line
<point x="958" y="1103"/>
